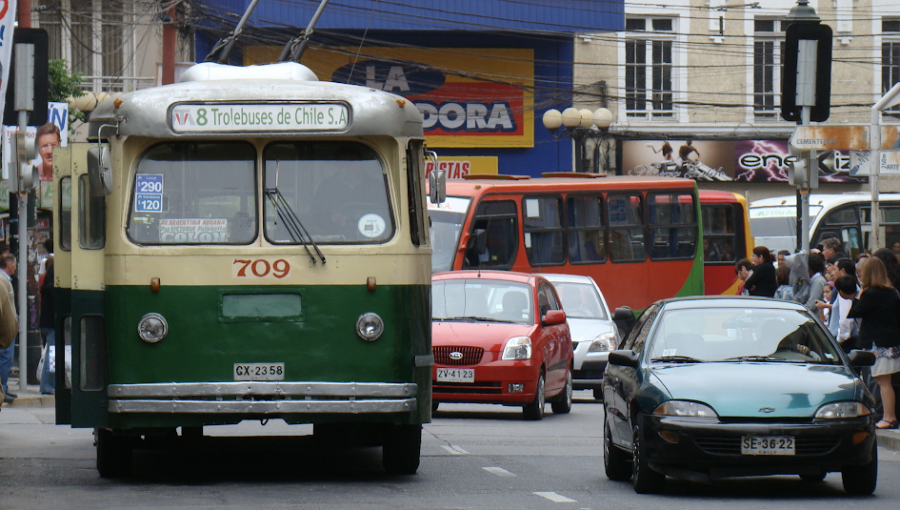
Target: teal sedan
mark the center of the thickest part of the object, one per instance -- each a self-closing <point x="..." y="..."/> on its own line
<point x="709" y="388"/>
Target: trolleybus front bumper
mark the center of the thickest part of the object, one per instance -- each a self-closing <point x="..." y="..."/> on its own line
<point x="255" y="397"/>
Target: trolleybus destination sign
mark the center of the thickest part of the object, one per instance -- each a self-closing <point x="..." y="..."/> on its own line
<point x="230" y="118"/>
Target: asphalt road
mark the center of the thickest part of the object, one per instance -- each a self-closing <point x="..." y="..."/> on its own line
<point x="473" y="456"/>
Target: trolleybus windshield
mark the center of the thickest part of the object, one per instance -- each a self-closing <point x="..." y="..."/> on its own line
<point x="336" y="189"/>
<point x="195" y="193"/>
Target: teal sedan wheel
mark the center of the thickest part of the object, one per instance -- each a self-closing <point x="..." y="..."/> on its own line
<point x="861" y="480"/>
<point x="644" y="479"/>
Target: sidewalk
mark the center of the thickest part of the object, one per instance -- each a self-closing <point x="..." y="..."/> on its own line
<point x="889" y="439"/>
<point x="31" y="397"/>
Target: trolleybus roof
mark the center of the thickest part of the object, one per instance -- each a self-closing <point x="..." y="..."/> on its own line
<point x="148" y="112"/>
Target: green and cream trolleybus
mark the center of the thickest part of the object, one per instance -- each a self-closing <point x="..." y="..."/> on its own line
<point x="246" y="244"/>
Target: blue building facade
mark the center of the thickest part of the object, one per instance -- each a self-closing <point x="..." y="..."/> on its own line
<point x="482" y="72"/>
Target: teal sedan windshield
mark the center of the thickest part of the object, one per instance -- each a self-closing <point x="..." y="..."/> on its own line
<point x="740" y="335"/>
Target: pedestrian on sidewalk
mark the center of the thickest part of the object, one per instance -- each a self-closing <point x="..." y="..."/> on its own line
<point x="7" y="269"/>
<point x="878" y="305"/>
<point x="48" y="332"/>
<point x="762" y="281"/>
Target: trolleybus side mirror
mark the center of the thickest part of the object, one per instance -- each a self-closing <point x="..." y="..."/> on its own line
<point x="437" y="181"/>
<point x="100" y="171"/>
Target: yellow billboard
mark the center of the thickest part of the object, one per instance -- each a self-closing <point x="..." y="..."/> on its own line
<point x="468" y="97"/>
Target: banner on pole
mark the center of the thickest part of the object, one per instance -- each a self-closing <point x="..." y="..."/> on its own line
<point x="7" y="21"/>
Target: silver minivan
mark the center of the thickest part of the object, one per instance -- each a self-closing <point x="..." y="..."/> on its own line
<point x="594" y="333"/>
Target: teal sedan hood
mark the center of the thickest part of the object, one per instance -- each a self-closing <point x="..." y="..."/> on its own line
<point x="785" y="390"/>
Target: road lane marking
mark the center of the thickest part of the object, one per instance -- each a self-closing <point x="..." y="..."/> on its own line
<point x="454" y="450"/>
<point x="499" y="471"/>
<point x="554" y="497"/>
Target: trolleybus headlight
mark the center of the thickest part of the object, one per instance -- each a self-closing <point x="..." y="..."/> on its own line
<point x="369" y="326"/>
<point x="153" y="328"/>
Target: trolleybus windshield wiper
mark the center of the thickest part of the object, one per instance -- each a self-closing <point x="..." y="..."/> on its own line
<point x="292" y="223"/>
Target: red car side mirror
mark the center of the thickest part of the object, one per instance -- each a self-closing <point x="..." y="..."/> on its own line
<point x="554" y="317"/>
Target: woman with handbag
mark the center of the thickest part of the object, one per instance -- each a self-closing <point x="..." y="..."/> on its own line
<point x="878" y="305"/>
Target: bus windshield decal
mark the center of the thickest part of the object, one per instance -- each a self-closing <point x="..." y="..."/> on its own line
<point x="781" y="212"/>
<point x="193" y="230"/>
<point x="231" y="118"/>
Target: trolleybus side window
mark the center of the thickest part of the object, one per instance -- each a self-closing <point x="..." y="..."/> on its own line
<point x="542" y="221"/>
<point x="626" y="228"/>
<point x="498" y="218"/>
<point x="414" y="173"/>
<point x="65" y="213"/>
<point x="91" y="217"/>
<point x="337" y="191"/>
<point x="721" y="240"/>
<point x="195" y="193"/>
<point x="587" y="229"/>
<point x="673" y="225"/>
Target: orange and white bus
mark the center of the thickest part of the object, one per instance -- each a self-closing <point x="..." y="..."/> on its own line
<point x="638" y="237"/>
<point x="726" y="239"/>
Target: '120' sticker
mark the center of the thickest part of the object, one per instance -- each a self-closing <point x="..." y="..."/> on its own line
<point x="260" y="268"/>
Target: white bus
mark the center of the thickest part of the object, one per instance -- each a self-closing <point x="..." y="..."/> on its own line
<point x="848" y="216"/>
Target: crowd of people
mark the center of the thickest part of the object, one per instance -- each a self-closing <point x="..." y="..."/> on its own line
<point x="858" y="300"/>
<point x="9" y="323"/>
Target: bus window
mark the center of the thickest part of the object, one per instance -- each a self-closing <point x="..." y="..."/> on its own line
<point x="673" y="226"/>
<point x="626" y="228"/>
<point x="65" y="213"/>
<point x="336" y="189"/>
<point x="587" y="228"/>
<point x="499" y="220"/>
<point x="415" y="187"/>
<point x="542" y="223"/>
<point x="195" y="193"/>
<point x="719" y="239"/>
<point x="843" y="216"/>
<point x="91" y="217"/>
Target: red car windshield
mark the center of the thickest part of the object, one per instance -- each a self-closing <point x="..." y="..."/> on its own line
<point x="481" y="299"/>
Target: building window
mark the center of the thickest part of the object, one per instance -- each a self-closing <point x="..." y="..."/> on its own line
<point x="648" y="68"/>
<point x="768" y="37"/>
<point x="890" y="58"/>
<point x="91" y="35"/>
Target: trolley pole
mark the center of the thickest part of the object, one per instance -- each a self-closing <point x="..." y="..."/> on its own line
<point x="26" y="177"/>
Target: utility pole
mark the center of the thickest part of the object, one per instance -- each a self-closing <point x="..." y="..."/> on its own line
<point x="804" y="98"/>
<point x="168" y="47"/>
<point x="24" y="7"/>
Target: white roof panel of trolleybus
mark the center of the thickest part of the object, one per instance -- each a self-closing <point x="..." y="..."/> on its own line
<point x="820" y="199"/>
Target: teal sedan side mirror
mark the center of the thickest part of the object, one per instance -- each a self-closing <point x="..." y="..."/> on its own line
<point x="861" y="358"/>
<point x="624" y="358"/>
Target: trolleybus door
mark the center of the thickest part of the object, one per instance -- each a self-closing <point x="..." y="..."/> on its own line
<point x="62" y="279"/>
<point x="89" y="342"/>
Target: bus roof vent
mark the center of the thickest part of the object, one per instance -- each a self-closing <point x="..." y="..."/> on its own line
<point x="209" y="71"/>
<point x="495" y="177"/>
<point x="580" y="175"/>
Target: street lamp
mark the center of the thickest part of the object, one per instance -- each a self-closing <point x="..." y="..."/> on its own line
<point x="579" y="125"/>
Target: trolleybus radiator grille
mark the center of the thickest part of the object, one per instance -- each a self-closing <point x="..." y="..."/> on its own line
<point x="457" y="355"/>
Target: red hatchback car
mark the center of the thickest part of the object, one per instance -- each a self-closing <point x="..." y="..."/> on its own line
<point x="500" y="338"/>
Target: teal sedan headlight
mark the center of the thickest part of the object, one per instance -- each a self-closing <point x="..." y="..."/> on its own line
<point x="686" y="409"/>
<point x="840" y="410"/>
